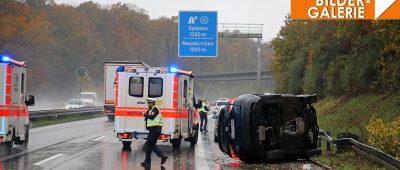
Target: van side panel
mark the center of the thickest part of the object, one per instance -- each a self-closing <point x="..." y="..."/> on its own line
<point x="12" y="82"/>
<point x="19" y="89"/>
<point x="120" y="102"/>
<point x="14" y="116"/>
<point x="3" y="108"/>
<point x="172" y="127"/>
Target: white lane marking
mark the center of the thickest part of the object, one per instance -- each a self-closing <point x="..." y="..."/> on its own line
<point x="210" y="116"/>
<point x="101" y="137"/>
<point x="201" y="154"/>
<point x="48" y="159"/>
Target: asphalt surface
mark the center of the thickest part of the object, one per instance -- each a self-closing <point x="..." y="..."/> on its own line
<point x="91" y="144"/>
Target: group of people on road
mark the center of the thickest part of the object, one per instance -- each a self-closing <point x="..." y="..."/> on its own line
<point x="154" y="124"/>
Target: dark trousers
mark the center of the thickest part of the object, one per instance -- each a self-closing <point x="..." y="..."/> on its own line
<point x="150" y="145"/>
<point x="203" y="119"/>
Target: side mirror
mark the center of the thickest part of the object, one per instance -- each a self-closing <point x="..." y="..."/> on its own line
<point x="30" y="101"/>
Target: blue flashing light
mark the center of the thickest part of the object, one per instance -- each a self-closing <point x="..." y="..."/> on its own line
<point x="173" y="70"/>
<point x="5" y="58"/>
<point x="120" y="69"/>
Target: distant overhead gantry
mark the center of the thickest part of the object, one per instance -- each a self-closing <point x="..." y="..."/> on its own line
<point x="233" y="30"/>
<point x="240" y="30"/>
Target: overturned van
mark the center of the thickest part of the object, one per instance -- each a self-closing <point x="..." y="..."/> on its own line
<point x="269" y="128"/>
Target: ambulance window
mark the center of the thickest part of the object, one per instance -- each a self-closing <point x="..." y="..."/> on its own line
<point x="136" y="86"/>
<point x="22" y="82"/>
<point x="155" y="87"/>
<point x="185" y="89"/>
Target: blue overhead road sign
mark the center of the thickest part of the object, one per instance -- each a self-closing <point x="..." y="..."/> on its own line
<point x="198" y="34"/>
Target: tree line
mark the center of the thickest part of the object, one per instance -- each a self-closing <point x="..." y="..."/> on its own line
<point x="55" y="39"/>
<point x="337" y="58"/>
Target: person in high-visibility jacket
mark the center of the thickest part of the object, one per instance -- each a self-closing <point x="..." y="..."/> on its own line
<point x="203" y="116"/>
<point x="154" y="123"/>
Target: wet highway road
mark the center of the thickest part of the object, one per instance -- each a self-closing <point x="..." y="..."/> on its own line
<point x="90" y="144"/>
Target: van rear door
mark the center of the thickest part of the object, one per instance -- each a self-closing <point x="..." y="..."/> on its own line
<point x="156" y="88"/>
<point x="135" y="102"/>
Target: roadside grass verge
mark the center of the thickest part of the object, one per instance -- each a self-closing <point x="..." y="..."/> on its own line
<point x="352" y="115"/>
<point x="347" y="160"/>
<point x="62" y="119"/>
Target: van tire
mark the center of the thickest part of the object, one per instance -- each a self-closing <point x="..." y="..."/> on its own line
<point x="26" y="136"/>
<point x="194" y="138"/>
<point x="5" y="148"/>
<point x="127" y="144"/>
<point x="110" y="118"/>
<point x="176" y="143"/>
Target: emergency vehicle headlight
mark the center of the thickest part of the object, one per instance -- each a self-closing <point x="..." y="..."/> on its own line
<point x="173" y="70"/>
<point x="5" y="58"/>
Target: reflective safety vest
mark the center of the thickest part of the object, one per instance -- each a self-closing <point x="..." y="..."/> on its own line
<point x="203" y="108"/>
<point x="157" y="121"/>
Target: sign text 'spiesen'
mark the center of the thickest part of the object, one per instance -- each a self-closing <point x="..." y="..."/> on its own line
<point x="343" y="9"/>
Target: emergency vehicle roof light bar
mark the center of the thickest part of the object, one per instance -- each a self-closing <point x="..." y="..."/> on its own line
<point x="175" y="70"/>
<point x="6" y="59"/>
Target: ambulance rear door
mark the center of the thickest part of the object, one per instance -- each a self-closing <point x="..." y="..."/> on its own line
<point x="142" y="85"/>
<point x="156" y="89"/>
<point x="134" y="103"/>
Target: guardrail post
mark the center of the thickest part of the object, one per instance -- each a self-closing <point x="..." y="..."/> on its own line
<point x="328" y="143"/>
<point x="319" y="142"/>
<point x="339" y="148"/>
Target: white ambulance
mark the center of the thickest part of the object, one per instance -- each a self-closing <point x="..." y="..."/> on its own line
<point x="14" y="115"/>
<point x="173" y="91"/>
<point x="110" y="68"/>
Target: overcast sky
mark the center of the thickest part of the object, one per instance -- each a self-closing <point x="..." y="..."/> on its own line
<point x="271" y="13"/>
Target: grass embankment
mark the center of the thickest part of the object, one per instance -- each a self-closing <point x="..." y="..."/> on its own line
<point x="353" y="115"/>
<point x="62" y="119"/>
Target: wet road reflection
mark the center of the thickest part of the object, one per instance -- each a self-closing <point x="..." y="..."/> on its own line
<point x="101" y="150"/>
<point x="111" y="155"/>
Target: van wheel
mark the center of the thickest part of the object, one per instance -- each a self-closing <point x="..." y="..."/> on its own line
<point x="176" y="143"/>
<point x="26" y="137"/>
<point x="110" y="117"/>
<point x="5" y="148"/>
<point x="194" y="138"/>
<point x="126" y="144"/>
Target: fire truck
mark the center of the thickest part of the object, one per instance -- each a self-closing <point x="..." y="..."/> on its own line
<point x="14" y="115"/>
<point x="173" y="91"/>
<point x="110" y="68"/>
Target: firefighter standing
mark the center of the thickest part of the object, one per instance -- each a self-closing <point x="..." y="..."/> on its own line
<point x="203" y="116"/>
<point x="154" y="123"/>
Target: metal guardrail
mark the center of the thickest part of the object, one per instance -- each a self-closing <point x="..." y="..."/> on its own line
<point x="372" y="153"/>
<point x="63" y="112"/>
